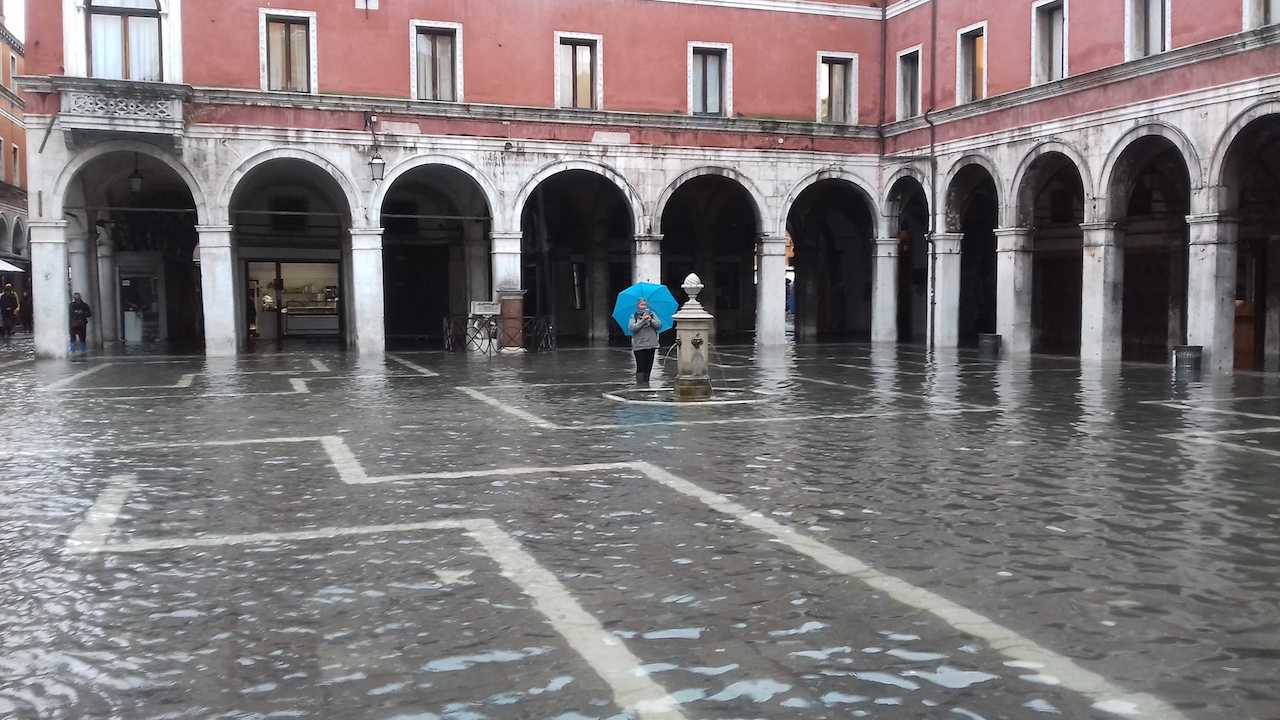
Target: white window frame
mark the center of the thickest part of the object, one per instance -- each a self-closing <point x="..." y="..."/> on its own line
<point x="4" y="163"/>
<point x="1036" y="75"/>
<point x="13" y="70"/>
<point x="75" y="52"/>
<point x="1254" y="12"/>
<point x="902" y="108"/>
<point x="456" y="28"/>
<point x="726" y="80"/>
<point x="598" y="39"/>
<point x="851" y="86"/>
<point x="313" y="48"/>
<point x="16" y="151"/>
<point x="960" y="69"/>
<point x="1131" y="32"/>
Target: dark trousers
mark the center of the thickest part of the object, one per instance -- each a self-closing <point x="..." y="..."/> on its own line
<point x="644" y="362"/>
<point x="79" y="334"/>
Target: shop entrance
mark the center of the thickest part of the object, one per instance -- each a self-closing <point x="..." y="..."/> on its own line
<point x="291" y="299"/>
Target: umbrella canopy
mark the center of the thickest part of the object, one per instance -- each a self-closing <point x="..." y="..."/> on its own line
<point x="6" y="267"/>
<point x="661" y="302"/>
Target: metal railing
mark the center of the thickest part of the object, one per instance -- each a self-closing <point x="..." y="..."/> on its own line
<point x="490" y="334"/>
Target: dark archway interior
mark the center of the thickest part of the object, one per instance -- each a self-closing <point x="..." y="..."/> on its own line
<point x="1152" y="189"/>
<point x="709" y="227"/>
<point x="435" y="249"/>
<point x="1051" y="204"/>
<point x="974" y="211"/>
<point x="1252" y="179"/>
<point x="909" y="208"/>
<point x="578" y="236"/>
<point x="832" y="228"/>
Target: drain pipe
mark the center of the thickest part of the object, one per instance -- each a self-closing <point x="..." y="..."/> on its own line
<point x="884" y="75"/>
<point x="933" y="171"/>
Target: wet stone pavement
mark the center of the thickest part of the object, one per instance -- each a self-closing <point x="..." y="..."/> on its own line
<point x="863" y="532"/>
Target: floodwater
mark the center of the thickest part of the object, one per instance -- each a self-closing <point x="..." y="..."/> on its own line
<point x="865" y="532"/>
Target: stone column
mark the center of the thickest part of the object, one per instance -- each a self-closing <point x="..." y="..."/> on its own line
<point x="366" y="291"/>
<point x="507" y="286"/>
<point x="51" y="315"/>
<point x="884" y="293"/>
<point x="81" y="278"/>
<point x="1013" y="289"/>
<point x="944" y="290"/>
<point x="1211" y="288"/>
<point x="646" y="260"/>
<point x="771" y="291"/>
<point x="1271" y="334"/>
<point x="108" y="288"/>
<point x="1102" y="293"/>
<point x="478" y="273"/>
<point x="598" y="305"/>
<point x="222" y="323"/>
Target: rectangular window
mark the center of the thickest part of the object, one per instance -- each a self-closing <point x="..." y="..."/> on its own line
<point x="13" y="70"/>
<point x="708" y="81"/>
<point x="971" y="84"/>
<point x="124" y="41"/>
<point x="1148" y="27"/>
<point x="909" y="84"/>
<point x="577" y="67"/>
<point x="17" y="165"/>
<point x="1050" y="41"/>
<point x="288" y="54"/>
<point x="436" y="63"/>
<point x="834" y="83"/>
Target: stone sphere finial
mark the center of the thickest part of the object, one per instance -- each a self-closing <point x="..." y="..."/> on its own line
<point x="692" y="286"/>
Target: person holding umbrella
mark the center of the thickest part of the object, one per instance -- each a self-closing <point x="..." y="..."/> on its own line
<point x="642" y="311"/>
<point x="644" y="328"/>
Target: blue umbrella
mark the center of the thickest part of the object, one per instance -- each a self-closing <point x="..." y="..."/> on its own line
<point x="661" y="303"/>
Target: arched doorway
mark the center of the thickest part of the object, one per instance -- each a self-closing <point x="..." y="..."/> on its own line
<point x="973" y="211"/>
<point x="1051" y="207"/>
<point x="436" y="252"/>
<point x="290" y="222"/>
<point x="909" y="222"/>
<point x="1251" y="185"/>
<point x="832" y="228"/>
<point x="1150" y="197"/>
<point x="709" y="227"/>
<point x="576" y="253"/>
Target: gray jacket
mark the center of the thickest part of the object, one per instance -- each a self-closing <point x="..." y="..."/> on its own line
<point x="644" y="333"/>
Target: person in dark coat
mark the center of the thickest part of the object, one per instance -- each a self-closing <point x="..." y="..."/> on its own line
<point x="80" y="314"/>
<point x="644" y="340"/>
<point x="9" y="307"/>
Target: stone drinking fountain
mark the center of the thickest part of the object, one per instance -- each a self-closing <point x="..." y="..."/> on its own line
<point x="693" y="339"/>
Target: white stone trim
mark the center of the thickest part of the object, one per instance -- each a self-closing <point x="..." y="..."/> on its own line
<point x="1131" y="32"/>
<point x="456" y="28"/>
<point x="75" y="51"/>
<point x="313" y="48"/>
<point x="1253" y="14"/>
<point x="986" y="61"/>
<point x="1036" y="78"/>
<point x="898" y="8"/>
<point x="851" y="91"/>
<point x="599" y="68"/>
<point x="805" y="7"/>
<point x="726" y="81"/>
<point x="901" y="111"/>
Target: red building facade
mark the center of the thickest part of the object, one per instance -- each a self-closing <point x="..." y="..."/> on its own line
<point x="1080" y="176"/>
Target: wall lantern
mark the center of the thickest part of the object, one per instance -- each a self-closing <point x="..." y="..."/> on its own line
<point x="135" y="179"/>
<point x="377" y="166"/>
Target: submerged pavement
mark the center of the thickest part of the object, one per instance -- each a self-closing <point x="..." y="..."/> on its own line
<point x="861" y="532"/>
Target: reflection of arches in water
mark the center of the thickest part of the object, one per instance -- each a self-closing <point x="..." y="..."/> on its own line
<point x="908" y="211"/>
<point x="1050" y="202"/>
<point x="973" y="210"/>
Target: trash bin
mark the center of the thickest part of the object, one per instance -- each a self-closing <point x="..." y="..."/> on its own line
<point x="989" y="345"/>
<point x="1186" y="359"/>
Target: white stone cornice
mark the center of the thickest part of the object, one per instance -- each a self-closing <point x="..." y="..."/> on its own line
<point x="804" y="7"/>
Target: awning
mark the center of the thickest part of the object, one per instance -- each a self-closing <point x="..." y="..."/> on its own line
<point x="6" y="267"/>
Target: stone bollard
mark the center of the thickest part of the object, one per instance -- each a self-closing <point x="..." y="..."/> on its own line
<point x="693" y="336"/>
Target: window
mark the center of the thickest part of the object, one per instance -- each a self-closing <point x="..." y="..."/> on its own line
<point x="908" y="83"/>
<point x="577" y="71"/>
<point x="1147" y="23"/>
<point x="1271" y="12"/>
<point x="836" y="77"/>
<point x="435" y="52"/>
<point x="708" y="82"/>
<point x="13" y="70"/>
<point x="124" y="39"/>
<point x="1049" y="41"/>
<point x="289" y="54"/>
<point x="971" y="66"/>
<point x="17" y="165"/>
<point x="1258" y="13"/>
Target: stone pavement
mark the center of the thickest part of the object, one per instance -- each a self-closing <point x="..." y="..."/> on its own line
<point x="864" y="532"/>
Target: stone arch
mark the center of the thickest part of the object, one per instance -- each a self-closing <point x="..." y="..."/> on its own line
<point x="906" y="171"/>
<point x="1019" y="208"/>
<point x="1108" y="206"/>
<point x="492" y="197"/>
<point x="345" y="183"/>
<point x="6" y="244"/>
<point x="948" y="210"/>
<point x="19" y="235"/>
<point x="516" y="210"/>
<point x="860" y="187"/>
<point x="73" y="168"/>
<point x="1218" y="169"/>
<point x="757" y="198"/>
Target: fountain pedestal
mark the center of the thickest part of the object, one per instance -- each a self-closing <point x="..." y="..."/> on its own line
<point x="693" y="337"/>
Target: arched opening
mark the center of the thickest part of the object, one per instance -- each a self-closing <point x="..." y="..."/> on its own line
<point x="137" y="219"/>
<point x="435" y="249"/>
<point x="1251" y="180"/>
<point x="576" y="254"/>
<point x="832" y="227"/>
<point x="1150" y="192"/>
<point x="709" y="227"/>
<point x="973" y="210"/>
<point x="19" y="240"/>
<point x="289" y="222"/>
<point x="1051" y="206"/>
<point x="909" y="221"/>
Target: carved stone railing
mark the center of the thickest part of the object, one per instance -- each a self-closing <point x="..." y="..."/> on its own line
<point x="116" y="106"/>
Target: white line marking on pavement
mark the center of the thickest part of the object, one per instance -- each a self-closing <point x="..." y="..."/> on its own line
<point x="91" y="534"/>
<point x="1216" y="411"/>
<point x="348" y="466"/>
<point x="510" y="410"/>
<point x="1195" y="439"/>
<point x="492" y="472"/>
<point x="184" y="381"/>
<point x="319" y="365"/>
<point x="15" y="363"/>
<point x="412" y="365"/>
<point x="176" y="543"/>
<point x="74" y="378"/>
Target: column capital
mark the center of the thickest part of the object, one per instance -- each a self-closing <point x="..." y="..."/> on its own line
<point x="366" y="238"/>
<point x="366" y="231"/>
<point x="1099" y="226"/>
<point x="211" y="229"/>
<point x="1215" y="218"/>
<point x="506" y="235"/>
<point x="885" y="247"/>
<point x="1013" y="239"/>
<point x="946" y="243"/>
<point x="47" y="224"/>
<point x="1100" y="234"/>
<point x="772" y="245"/>
<point x="648" y="237"/>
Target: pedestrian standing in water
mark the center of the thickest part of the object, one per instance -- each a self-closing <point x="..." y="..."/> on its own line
<point x="80" y="314"/>
<point x="644" y="340"/>
<point x="9" y="306"/>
